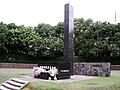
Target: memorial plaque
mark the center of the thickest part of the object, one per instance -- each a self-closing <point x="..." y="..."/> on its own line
<point x="68" y="36"/>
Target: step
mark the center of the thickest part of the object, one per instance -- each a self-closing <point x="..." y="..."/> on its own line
<point x="14" y="83"/>
<point x="3" y="88"/>
<point x="10" y="86"/>
<point x="19" y="81"/>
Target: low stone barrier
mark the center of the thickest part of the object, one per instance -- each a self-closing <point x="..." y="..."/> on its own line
<point x="92" y="69"/>
<point x="17" y="65"/>
<point x="115" y="67"/>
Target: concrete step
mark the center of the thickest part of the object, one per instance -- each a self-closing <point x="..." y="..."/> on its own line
<point x="13" y="84"/>
<point x="19" y="81"/>
<point x="3" y="88"/>
<point x="10" y="86"/>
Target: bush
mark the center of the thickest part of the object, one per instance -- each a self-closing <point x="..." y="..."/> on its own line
<point x="113" y="60"/>
<point x="13" y="58"/>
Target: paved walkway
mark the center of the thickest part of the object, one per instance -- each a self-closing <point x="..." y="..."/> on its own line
<point x="73" y="78"/>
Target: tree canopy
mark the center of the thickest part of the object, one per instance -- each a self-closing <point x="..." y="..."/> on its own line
<point x="97" y="39"/>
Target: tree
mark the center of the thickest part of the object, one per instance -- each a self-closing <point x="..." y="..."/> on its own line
<point x="3" y="37"/>
<point x="52" y="39"/>
<point x="23" y="40"/>
<point x="83" y="36"/>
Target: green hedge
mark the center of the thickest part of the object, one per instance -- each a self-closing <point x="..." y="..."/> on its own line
<point x="12" y="58"/>
<point x="112" y="60"/>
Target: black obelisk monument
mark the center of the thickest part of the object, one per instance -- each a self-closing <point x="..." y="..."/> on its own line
<point x="68" y="36"/>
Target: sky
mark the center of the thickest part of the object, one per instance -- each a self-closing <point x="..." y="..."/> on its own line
<point x="33" y="12"/>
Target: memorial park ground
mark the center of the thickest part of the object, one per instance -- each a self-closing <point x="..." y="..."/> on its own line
<point x="101" y="83"/>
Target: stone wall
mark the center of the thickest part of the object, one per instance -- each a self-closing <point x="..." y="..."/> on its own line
<point x="17" y="65"/>
<point x="115" y="67"/>
<point x="92" y="69"/>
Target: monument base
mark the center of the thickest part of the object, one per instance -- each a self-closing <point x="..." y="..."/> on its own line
<point x="58" y="70"/>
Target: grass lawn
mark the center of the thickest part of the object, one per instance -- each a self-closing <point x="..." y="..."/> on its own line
<point x="102" y="83"/>
<point x="6" y="73"/>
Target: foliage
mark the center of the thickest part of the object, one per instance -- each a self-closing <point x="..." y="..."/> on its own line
<point x="96" y="39"/>
<point x="23" y="40"/>
<point x="52" y="39"/>
<point x="92" y="39"/>
<point x="3" y="37"/>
